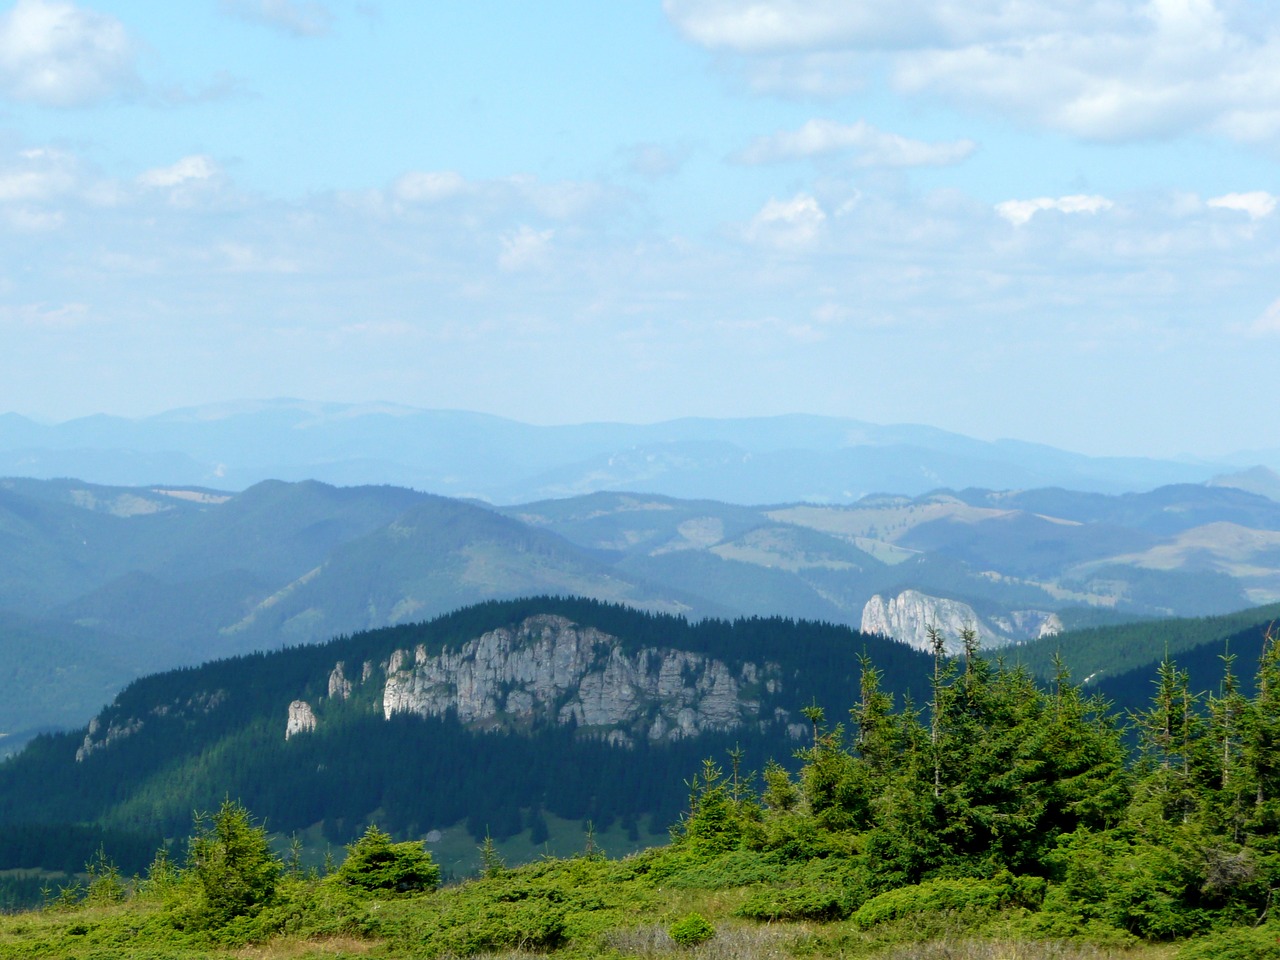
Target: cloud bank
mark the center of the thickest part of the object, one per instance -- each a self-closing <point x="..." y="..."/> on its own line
<point x="1106" y="70"/>
<point x="866" y="145"/>
<point x="57" y="54"/>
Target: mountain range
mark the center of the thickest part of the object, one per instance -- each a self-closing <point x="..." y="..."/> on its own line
<point x="778" y="459"/>
<point x="100" y="584"/>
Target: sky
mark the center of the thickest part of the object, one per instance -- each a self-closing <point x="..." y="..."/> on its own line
<point x="1051" y="220"/>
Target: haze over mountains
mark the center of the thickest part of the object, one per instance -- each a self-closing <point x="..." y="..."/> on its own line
<point x="101" y="584"/>
<point x="748" y="460"/>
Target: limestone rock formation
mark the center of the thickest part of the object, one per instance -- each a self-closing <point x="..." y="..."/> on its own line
<point x="302" y="719"/>
<point x="908" y="616"/>
<point x="339" y="685"/>
<point x="104" y="732"/>
<point x="548" y="668"/>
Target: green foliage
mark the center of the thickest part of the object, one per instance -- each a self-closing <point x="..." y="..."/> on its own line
<point x="972" y="898"/>
<point x="230" y="865"/>
<point x="736" y="868"/>
<point x="1006" y="804"/>
<point x="491" y="862"/>
<point x="162" y="877"/>
<point x="1257" y="943"/>
<point x="105" y="883"/>
<point x="824" y="889"/>
<point x="717" y="819"/>
<point x="377" y="865"/>
<point x="691" y="930"/>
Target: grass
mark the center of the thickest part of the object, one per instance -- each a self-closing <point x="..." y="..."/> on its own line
<point x="571" y="908"/>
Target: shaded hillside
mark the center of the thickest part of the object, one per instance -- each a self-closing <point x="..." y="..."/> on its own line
<point x="46" y="666"/>
<point x="182" y="740"/>
<point x="191" y="574"/>
<point x="1100" y="654"/>
<point x="438" y="556"/>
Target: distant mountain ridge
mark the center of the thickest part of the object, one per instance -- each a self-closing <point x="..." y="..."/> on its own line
<point x="779" y="459"/>
<point x="101" y="584"/>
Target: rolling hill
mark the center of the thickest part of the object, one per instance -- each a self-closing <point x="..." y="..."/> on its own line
<point x="122" y="581"/>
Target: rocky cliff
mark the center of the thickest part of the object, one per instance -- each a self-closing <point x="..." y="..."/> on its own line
<point x="106" y="729"/>
<point x="548" y="669"/>
<point x="908" y="617"/>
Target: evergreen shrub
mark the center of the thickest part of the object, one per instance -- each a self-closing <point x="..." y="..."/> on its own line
<point x="978" y="897"/>
<point x="376" y="865"/>
<point x="1259" y="943"/>
<point x="691" y="930"/>
<point x="823" y="890"/>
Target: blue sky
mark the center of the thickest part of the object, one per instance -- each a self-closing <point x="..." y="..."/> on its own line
<point x="1050" y="220"/>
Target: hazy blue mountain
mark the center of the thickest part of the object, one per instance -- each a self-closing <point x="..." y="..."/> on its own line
<point x="744" y="460"/>
<point x="1259" y="480"/>
<point x="172" y="575"/>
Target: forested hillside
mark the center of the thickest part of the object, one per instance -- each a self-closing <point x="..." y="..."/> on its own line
<point x="988" y="816"/>
<point x="181" y="740"/>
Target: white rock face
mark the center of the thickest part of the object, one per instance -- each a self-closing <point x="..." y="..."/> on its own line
<point x="908" y="616"/>
<point x="339" y="685"/>
<point x="96" y="738"/>
<point x="302" y="719"/>
<point x="1030" y="624"/>
<point x="550" y="668"/>
<point x="115" y="731"/>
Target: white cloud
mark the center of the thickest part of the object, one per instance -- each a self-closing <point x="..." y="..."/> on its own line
<point x="870" y="146"/>
<point x="58" y="54"/>
<point x="42" y="316"/>
<point x="245" y="258"/>
<point x="1257" y="204"/>
<point x="306" y="19"/>
<point x="1096" y="69"/>
<point x="524" y="247"/>
<point x="1020" y="212"/>
<point x="787" y="224"/>
<point x="1269" y="323"/>
<point x="34" y="182"/>
<point x="194" y="168"/>
<point x="749" y="26"/>
<point x="27" y="220"/>
<point x="519" y="196"/>
<point x="653" y="161"/>
<point x="40" y="174"/>
<point x="428" y="186"/>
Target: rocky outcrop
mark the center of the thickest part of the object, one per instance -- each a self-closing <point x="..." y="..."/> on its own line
<point x="1029" y="624"/>
<point x="908" y="617"/>
<point x="302" y="719"/>
<point x="550" y="669"/>
<point x="96" y="738"/>
<point x="339" y="685"/>
<point x="104" y="732"/>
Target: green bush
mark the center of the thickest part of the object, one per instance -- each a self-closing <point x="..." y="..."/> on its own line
<point x="499" y="925"/>
<point x="934" y="896"/>
<point x="691" y="930"/>
<point x="377" y="865"/>
<point x="1151" y="890"/>
<point x="231" y="866"/>
<point x="1261" y="943"/>
<point x="739" y="868"/>
<point x="828" y="889"/>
